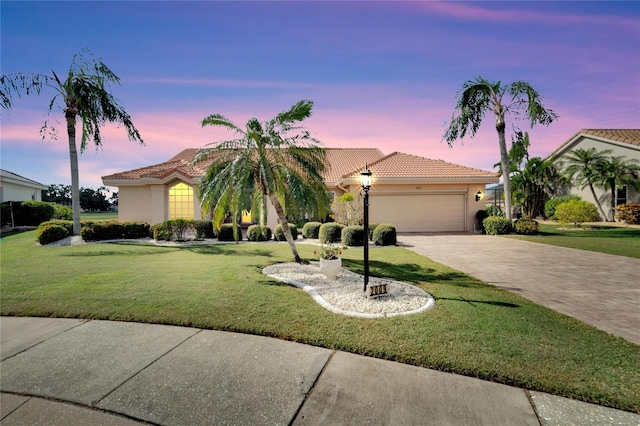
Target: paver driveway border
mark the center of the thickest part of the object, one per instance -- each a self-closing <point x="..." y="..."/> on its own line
<point x="599" y="289"/>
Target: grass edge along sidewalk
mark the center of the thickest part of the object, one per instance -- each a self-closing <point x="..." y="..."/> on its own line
<point x="475" y="329"/>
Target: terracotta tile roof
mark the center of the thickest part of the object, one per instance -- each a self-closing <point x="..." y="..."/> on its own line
<point x="343" y="163"/>
<point x="630" y="136"/>
<point x="400" y="165"/>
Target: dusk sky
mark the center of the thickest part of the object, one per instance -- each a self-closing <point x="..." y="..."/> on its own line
<point x="381" y="74"/>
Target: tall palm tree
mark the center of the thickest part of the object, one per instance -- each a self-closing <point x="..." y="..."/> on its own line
<point x="84" y="94"/>
<point x="614" y="172"/>
<point x="478" y="96"/>
<point x="583" y="166"/>
<point x="276" y="160"/>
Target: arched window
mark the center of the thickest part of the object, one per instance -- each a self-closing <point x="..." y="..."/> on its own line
<point x="181" y="202"/>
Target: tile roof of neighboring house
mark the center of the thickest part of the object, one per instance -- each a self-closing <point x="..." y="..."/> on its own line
<point x="626" y="136"/>
<point x="401" y="165"/>
<point x="343" y="163"/>
<point x="630" y="136"/>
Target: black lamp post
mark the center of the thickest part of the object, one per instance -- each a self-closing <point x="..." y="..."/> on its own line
<point x="365" y="182"/>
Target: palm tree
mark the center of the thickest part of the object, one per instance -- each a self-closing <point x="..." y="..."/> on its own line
<point x="276" y="160"/>
<point x="583" y="166"/>
<point x="478" y="96"/>
<point x="85" y="95"/>
<point x="536" y="183"/>
<point x="614" y="172"/>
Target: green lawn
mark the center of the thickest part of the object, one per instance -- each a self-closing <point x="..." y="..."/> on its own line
<point x="475" y="329"/>
<point x="622" y="241"/>
<point x="99" y="215"/>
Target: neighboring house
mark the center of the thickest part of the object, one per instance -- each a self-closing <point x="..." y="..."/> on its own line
<point x="413" y="193"/>
<point x="14" y="187"/>
<point x="621" y="142"/>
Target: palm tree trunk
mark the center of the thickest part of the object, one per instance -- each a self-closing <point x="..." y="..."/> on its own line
<point x="506" y="167"/>
<point x="613" y="200"/>
<point x="595" y="197"/>
<point x="75" y="180"/>
<point x="285" y="227"/>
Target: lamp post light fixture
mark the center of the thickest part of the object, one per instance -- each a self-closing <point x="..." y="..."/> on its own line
<point x="365" y="182"/>
<point x="478" y="196"/>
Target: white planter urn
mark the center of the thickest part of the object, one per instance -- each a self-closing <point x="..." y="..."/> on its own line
<point x="331" y="268"/>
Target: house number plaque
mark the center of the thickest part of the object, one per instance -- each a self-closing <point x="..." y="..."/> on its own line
<point x="376" y="290"/>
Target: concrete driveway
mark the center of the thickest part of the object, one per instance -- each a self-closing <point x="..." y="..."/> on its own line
<point x="599" y="289"/>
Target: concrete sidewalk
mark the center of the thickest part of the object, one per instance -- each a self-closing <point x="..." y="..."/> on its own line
<point x="66" y="371"/>
<point x="599" y="289"/>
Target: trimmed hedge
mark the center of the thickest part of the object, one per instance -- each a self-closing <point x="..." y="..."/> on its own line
<point x="162" y="231"/>
<point x="385" y="235"/>
<point x="204" y="229"/>
<point x="226" y="232"/>
<point x="114" y="230"/>
<point x="62" y="212"/>
<point x="278" y="233"/>
<point x="259" y="233"/>
<point x="353" y="236"/>
<point x="330" y="232"/>
<point x="526" y="226"/>
<point x="27" y="213"/>
<point x="50" y="233"/>
<point x="311" y="229"/>
<point x="497" y="225"/>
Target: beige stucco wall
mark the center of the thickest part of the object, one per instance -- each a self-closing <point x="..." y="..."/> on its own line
<point x="149" y="203"/>
<point x="617" y="149"/>
<point x="14" y="192"/>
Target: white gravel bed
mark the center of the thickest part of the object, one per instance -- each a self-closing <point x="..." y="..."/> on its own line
<point x="346" y="296"/>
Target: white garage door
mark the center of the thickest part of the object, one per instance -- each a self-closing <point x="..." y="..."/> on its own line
<point x="420" y="212"/>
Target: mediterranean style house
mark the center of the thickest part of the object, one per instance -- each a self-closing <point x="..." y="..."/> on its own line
<point x="413" y="193"/>
<point x="621" y="142"/>
<point x="14" y="187"/>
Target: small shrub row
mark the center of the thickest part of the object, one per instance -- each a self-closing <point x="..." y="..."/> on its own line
<point x="497" y="225"/>
<point x="629" y="213"/>
<point x="177" y="229"/>
<point x="55" y="230"/>
<point x="330" y="233"/>
<point x="352" y="236"/>
<point x="311" y="229"/>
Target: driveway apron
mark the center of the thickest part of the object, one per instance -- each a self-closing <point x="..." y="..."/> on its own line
<point x="599" y="289"/>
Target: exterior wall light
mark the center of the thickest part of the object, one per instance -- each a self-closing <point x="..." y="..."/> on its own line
<point x="478" y="196"/>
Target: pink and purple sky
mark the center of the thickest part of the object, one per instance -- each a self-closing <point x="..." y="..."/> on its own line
<point x="381" y="74"/>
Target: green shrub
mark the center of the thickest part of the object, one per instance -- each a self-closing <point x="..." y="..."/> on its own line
<point x="526" y="226"/>
<point x="330" y="232"/>
<point x="50" y="233"/>
<point x="576" y="212"/>
<point x="162" y="232"/>
<point x="100" y="231"/>
<point x="204" y="229"/>
<point x="353" y="236"/>
<point x="67" y="224"/>
<point x="27" y="213"/>
<point x="135" y="230"/>
<point x="497" y="225"/>
<point x="385" y="235"/>
<point x="372" y="227"/>
<point x="550" y="206"/>
<point x="225" y="233"/>
<point x="180" y="227"/>
<point x="278" y="233"/>
<point x="347" y="210"/>
<point x="62" y="212"/>
<point x="629" y="213"/>
<point x="259" y="233"/>
<point x="311" y="229"/>
<point x="494" y="211"/>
